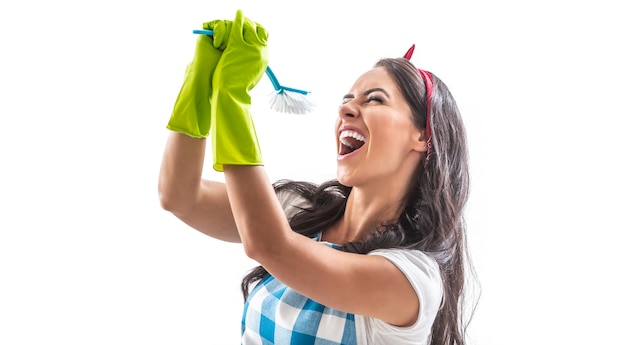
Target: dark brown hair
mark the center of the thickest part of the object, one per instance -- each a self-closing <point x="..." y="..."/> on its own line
<point x="432" y="220"/>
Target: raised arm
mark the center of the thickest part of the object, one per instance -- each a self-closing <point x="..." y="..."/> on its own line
<point x="200" y="203"/>
<point x="362" y="284"/>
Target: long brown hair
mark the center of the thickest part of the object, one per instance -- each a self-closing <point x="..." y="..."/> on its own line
<point x="432" y="220"/>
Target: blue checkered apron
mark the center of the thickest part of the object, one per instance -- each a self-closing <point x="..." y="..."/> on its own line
<point x="276" y="314"/>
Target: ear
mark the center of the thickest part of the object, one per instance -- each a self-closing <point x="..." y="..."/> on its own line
<point x="419" y="141"/>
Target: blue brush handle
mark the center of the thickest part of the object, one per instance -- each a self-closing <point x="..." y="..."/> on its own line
<point x="268" y="71"/>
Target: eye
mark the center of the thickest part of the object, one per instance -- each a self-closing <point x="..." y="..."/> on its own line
<point x="374" y="99"/>
<point x="346" y="100"/>
<point x="377" y="94"/>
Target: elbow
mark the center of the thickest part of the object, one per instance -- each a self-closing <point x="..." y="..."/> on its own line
<point x="257" y="252"/>
<point x="250" y="251"/>
<point x="251" y="247"/>
<point x="166" y="202"/>
<point x="172" y="200"/>
<point x="264" y="248"/>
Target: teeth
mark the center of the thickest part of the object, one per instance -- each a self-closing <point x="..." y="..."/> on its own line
<point x="350" y="134"/>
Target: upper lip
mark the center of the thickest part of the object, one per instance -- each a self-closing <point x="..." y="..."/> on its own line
<point x="349" y="128"/>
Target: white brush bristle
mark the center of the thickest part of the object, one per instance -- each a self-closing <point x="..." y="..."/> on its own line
<point x="291" y="102"/>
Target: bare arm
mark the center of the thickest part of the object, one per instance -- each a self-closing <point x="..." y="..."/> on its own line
<point x="361" y="284"/>
<point x="201" y="204"/>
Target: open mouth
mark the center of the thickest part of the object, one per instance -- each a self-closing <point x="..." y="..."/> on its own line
<point x="350" y="142"/>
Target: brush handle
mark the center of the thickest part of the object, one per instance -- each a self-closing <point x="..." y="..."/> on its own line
<point x="203" y="32"/>
<point x="268" y="71"/>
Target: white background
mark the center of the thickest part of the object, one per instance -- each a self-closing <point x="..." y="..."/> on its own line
<point x="87" y="256"/>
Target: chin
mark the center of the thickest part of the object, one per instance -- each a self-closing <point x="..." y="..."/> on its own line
<point x="345" y="179"/>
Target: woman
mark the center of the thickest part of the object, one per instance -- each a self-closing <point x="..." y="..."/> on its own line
<point x="374" y="257"/>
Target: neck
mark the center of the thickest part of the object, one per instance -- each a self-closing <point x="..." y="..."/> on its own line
<point x="372" y="204"/>
<point x="366" y="210"/>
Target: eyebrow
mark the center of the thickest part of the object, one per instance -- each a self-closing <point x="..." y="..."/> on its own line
<point x="367" y="92"/>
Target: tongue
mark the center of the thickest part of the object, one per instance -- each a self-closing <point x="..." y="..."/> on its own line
<point x="353" y="143"/>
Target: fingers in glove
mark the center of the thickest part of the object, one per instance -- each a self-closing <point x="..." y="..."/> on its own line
<point x="221" y="32"/>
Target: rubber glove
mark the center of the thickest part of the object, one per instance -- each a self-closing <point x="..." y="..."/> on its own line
<point x="240" y="68"/>
<point x="192" y="109"/>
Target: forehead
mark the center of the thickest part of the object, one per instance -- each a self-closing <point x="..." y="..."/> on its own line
<point x="377" y="77"/>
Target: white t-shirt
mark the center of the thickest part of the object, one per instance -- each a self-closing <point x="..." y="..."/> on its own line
<point x="422" y="272"/>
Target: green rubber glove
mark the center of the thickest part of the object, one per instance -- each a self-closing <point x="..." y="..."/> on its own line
<point x="192" y="109"/>
<point x="240" y="68"/>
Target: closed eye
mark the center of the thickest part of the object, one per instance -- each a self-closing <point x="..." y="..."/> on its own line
<point x="371" y="95"/>
<point x="376" y="95"/>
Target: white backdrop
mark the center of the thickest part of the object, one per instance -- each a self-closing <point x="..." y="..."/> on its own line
<point x="87" y="256"/>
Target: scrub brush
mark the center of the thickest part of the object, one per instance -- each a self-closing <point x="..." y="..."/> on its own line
<point x="283" y="99"/>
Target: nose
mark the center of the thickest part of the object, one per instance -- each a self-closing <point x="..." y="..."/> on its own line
<point x="348" y="109"/>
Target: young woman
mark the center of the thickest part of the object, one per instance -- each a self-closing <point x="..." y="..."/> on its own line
<point x="376" y="256"/>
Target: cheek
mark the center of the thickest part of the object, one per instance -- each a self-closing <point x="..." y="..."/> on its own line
<point x="385" y="131"/>
<point x="393" y="138"/>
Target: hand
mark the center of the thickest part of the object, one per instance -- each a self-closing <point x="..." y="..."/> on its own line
<point x="245" y="55"/>
<point x="192" y="109"/>
<point x="240" y="68"/>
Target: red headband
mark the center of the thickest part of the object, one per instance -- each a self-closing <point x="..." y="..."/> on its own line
<point x="429" y="92"/>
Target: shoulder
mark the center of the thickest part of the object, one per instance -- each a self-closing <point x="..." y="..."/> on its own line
<point x="411" y="261"/>
<point x="422" y="271"/>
